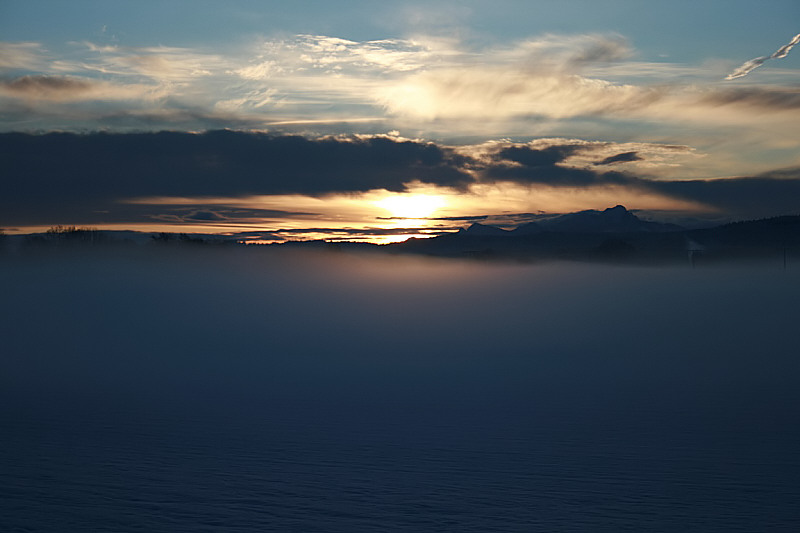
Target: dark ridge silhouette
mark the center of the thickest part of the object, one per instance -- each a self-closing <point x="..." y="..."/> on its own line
<point x="477" y="229"/>
<point x="612" y="235"/>
<point x="613" y="219"/>
<point x="616" y="234"/>
<point x="527" y="229"/>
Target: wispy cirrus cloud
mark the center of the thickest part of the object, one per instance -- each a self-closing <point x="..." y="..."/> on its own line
<point x="25" y="55"/>
<point x="569" y="77"/>
<point x="492" y="92"/>
<point x="309" y="55"/>
<point x="554" y="52"/>
<point x="159" y="63"/>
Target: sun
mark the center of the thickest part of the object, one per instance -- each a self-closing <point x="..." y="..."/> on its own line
<point x="411" y="205"/>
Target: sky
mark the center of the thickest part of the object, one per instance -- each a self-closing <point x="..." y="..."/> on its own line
<point x="273" y="121"/>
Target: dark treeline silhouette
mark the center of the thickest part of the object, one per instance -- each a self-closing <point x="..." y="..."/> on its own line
<point x="62" y="235"/>
<point x="185" y="238"/>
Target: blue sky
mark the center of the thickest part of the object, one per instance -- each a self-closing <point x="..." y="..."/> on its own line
<point x="617" y="76"/>
<point x="683" y="29"/>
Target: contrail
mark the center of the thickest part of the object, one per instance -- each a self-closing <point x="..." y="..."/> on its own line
<point x="748" y="66"/>
<point x="784" y="50"/>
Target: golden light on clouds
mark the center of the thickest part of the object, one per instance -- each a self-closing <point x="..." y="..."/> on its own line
<point x="413" y="206"/>
<point x="382" y="217"/>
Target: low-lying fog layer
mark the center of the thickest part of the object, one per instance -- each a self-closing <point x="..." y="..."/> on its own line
<point x="258" y="389"/>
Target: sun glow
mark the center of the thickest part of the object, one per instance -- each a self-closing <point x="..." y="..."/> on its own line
<point x="412" y="206"/>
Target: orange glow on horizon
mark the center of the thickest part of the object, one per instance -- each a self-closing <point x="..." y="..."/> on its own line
<point x="376" y="216"/>
<point x="412" y="206"/>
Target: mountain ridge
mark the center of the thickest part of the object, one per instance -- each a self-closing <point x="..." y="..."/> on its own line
<point x="613" y="234"/>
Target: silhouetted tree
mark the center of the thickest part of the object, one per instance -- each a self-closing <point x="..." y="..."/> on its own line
<point x="74" y="234"/>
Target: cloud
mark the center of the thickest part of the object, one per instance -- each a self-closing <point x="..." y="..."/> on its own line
<point x="625" y="157"/>
<point x="564" y="164"/>
<point x="546" y="162"/>
<point x="471" y="218"/>
<point x="71" y="88"/>
<point x="536" y="77"/>
<point x="25" y="55"/>
<point x="85" y="173"/>
<point x="746" y="68"/>
<point x="546" y="153"/>
<point x="408" y="77"/>
<point x="533" y="157"/>
<point x="601" y="49"/>
<point x="314" y="55"/>
<point x="497" y="93"/>
<point x="167" y="176"/>
<point x="566" y="53"/>
<point x="440" y="86"/>
<point x="746" y="197"/>
<point x="528" y="166"/>
<point x="752" y="64"/>
<point x="47" y="87"/>
<point x="258" y="71"/>
<point x="776" y="99"/>
<point x="783" y="51"/>
<point x="217" y="216"/>
<point x="161" y="63"/>
<point x="205" y="216"/>
<point x="389" y="54"/>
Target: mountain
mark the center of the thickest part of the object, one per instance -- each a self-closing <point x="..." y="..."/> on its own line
<point x="482" y="230"/>
<point x="529" y="228"/>
<point x="615" y="219"/>
<point x="615" y="234"/>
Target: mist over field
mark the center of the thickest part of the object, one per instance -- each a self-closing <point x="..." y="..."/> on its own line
<point x="259" y="388"/>
<point x="477" y="266"/>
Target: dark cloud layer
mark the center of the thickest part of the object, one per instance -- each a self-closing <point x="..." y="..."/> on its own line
<point x="531" y="157"/>
<point x="65" y="173"/>
<point x="523" y="164"/>
<point x="770" y="194"/>
<point x="67" y="178"/>
<point x="753" y="197"/>
<point x="200" y="213"/>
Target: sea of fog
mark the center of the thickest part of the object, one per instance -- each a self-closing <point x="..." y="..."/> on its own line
<point x="260" y="390"/>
